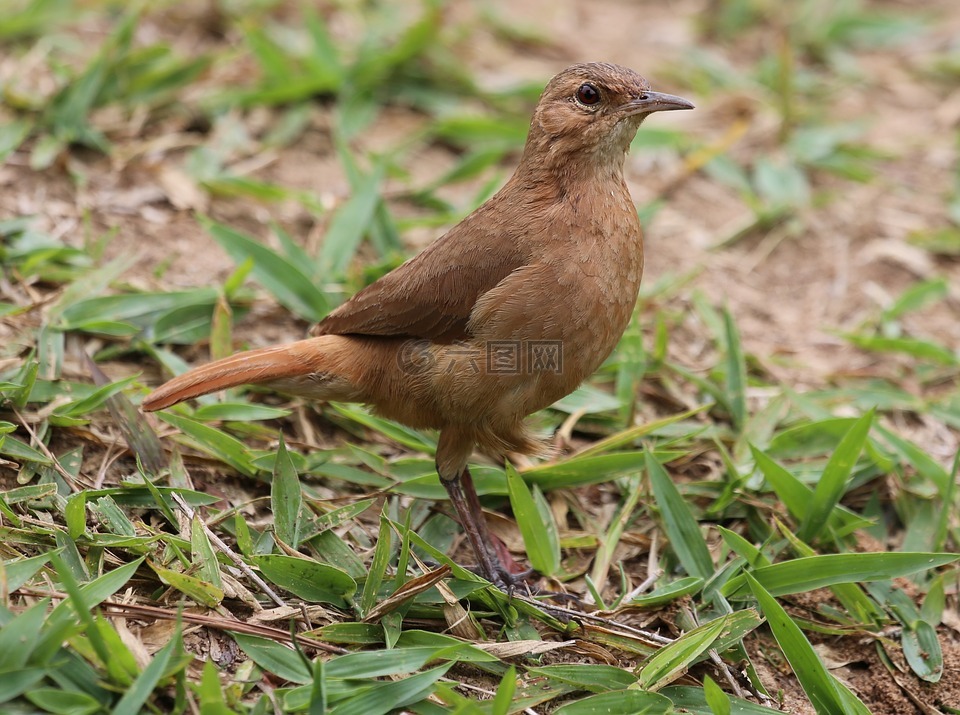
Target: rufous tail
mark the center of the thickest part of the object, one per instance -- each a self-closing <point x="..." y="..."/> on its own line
<point x="312" y="367"/>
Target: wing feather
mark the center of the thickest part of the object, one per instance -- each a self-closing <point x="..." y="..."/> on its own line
<point x="432" y="295"/>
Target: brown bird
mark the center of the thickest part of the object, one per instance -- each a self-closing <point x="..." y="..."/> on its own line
<point x="505" y="314"/>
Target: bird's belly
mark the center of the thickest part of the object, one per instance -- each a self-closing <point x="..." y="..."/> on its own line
<point x="557" y="339"/>
<point x="508" y="378"/>
<point x="577" y="355"/>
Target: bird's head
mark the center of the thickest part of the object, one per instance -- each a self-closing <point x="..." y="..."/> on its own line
<point x="594" y="110"/>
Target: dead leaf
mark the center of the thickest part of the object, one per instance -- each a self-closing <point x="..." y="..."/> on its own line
<point x="410" y="589"/>
<point x="181" y="190"/>
<point x="517" y="649"/>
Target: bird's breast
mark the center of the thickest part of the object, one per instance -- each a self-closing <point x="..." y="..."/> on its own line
<point x="544" y="328"/>
<point x="583" y="313"/>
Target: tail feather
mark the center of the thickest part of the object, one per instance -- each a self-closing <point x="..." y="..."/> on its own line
<point x="307" y="362"/>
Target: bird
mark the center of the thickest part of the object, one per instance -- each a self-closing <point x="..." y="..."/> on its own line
<point x="500" y="317"/>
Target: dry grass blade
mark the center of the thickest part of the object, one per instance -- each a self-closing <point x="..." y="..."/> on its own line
<point x="408" y="591"/>
<point x="133" y="610"/>
<point x="139" y="435"/>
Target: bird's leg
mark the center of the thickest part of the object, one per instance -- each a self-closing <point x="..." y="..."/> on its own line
<point x="464" y="498"/>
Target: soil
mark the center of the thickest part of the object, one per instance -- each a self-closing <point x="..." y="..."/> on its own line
<point x="792" y="289"/>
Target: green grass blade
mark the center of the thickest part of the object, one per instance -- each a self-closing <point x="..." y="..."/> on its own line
<point x="812" y="572"/>
<point x="204" y="558"/>
<point x="500" y="705"/>
<point x="406" y="658"/>
<point x="814" y="678"/>
<point x="134" y="699"/>
<point x="593" y="677"/>
<point x="718" y="700"/>
<point x="311" y="581"/>
<point x="213" y="441"/>
<point x="921" y="648"/>
<point x="92" y="594"/>
<point x="833" y="482"/>
<point x="797" y="496"/>
<point x="662" y="595"/>
<point x="609" y="541"/>
<point x="349" y="224"/>
<point x="282" y="661"/>
<point x="736" y="387"/>
<point x="857" y="604"/>
<point x="286" y="497"/>
<point x="636" y="702"/>
<point x="12" y="135"/>
<point x="210" y="692"/>
<point x="18" y="682"/>
<point x="925" y="465"/>
<point x="694" y="700"/>
<point x="63" y="701"/>
<point x="384" y="698"/>
<point x="285" y="280"/>
<point x="378" y="567"/>
<point x="682" y="529"/>
<point x="633" y="434"/>
<point x="410" y="438"/>
<point x="536" y="524"/>
<point x="19" y="572"/>
<point x="672" y="661"/>
<point x="194" y="588"/>
<point x="19" y="636"/>
<point x="920" y="349"/>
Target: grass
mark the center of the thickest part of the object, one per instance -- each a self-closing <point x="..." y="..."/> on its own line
<point x="245" y="554"/>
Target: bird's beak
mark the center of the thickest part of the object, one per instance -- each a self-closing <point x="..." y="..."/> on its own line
<point x="650" y="102"/>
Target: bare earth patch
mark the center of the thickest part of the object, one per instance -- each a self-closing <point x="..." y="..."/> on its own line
<point x="794" y="287"/>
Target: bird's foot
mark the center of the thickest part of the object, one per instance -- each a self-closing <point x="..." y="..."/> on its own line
<point x="501" y="577"/>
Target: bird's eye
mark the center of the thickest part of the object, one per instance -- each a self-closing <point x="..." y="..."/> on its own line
<point x="588" y="94"/>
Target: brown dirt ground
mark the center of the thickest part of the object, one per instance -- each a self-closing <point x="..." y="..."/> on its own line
<point x="790" y="294"/>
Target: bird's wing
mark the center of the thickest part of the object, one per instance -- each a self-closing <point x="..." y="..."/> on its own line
<point x="432" y="295"/>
